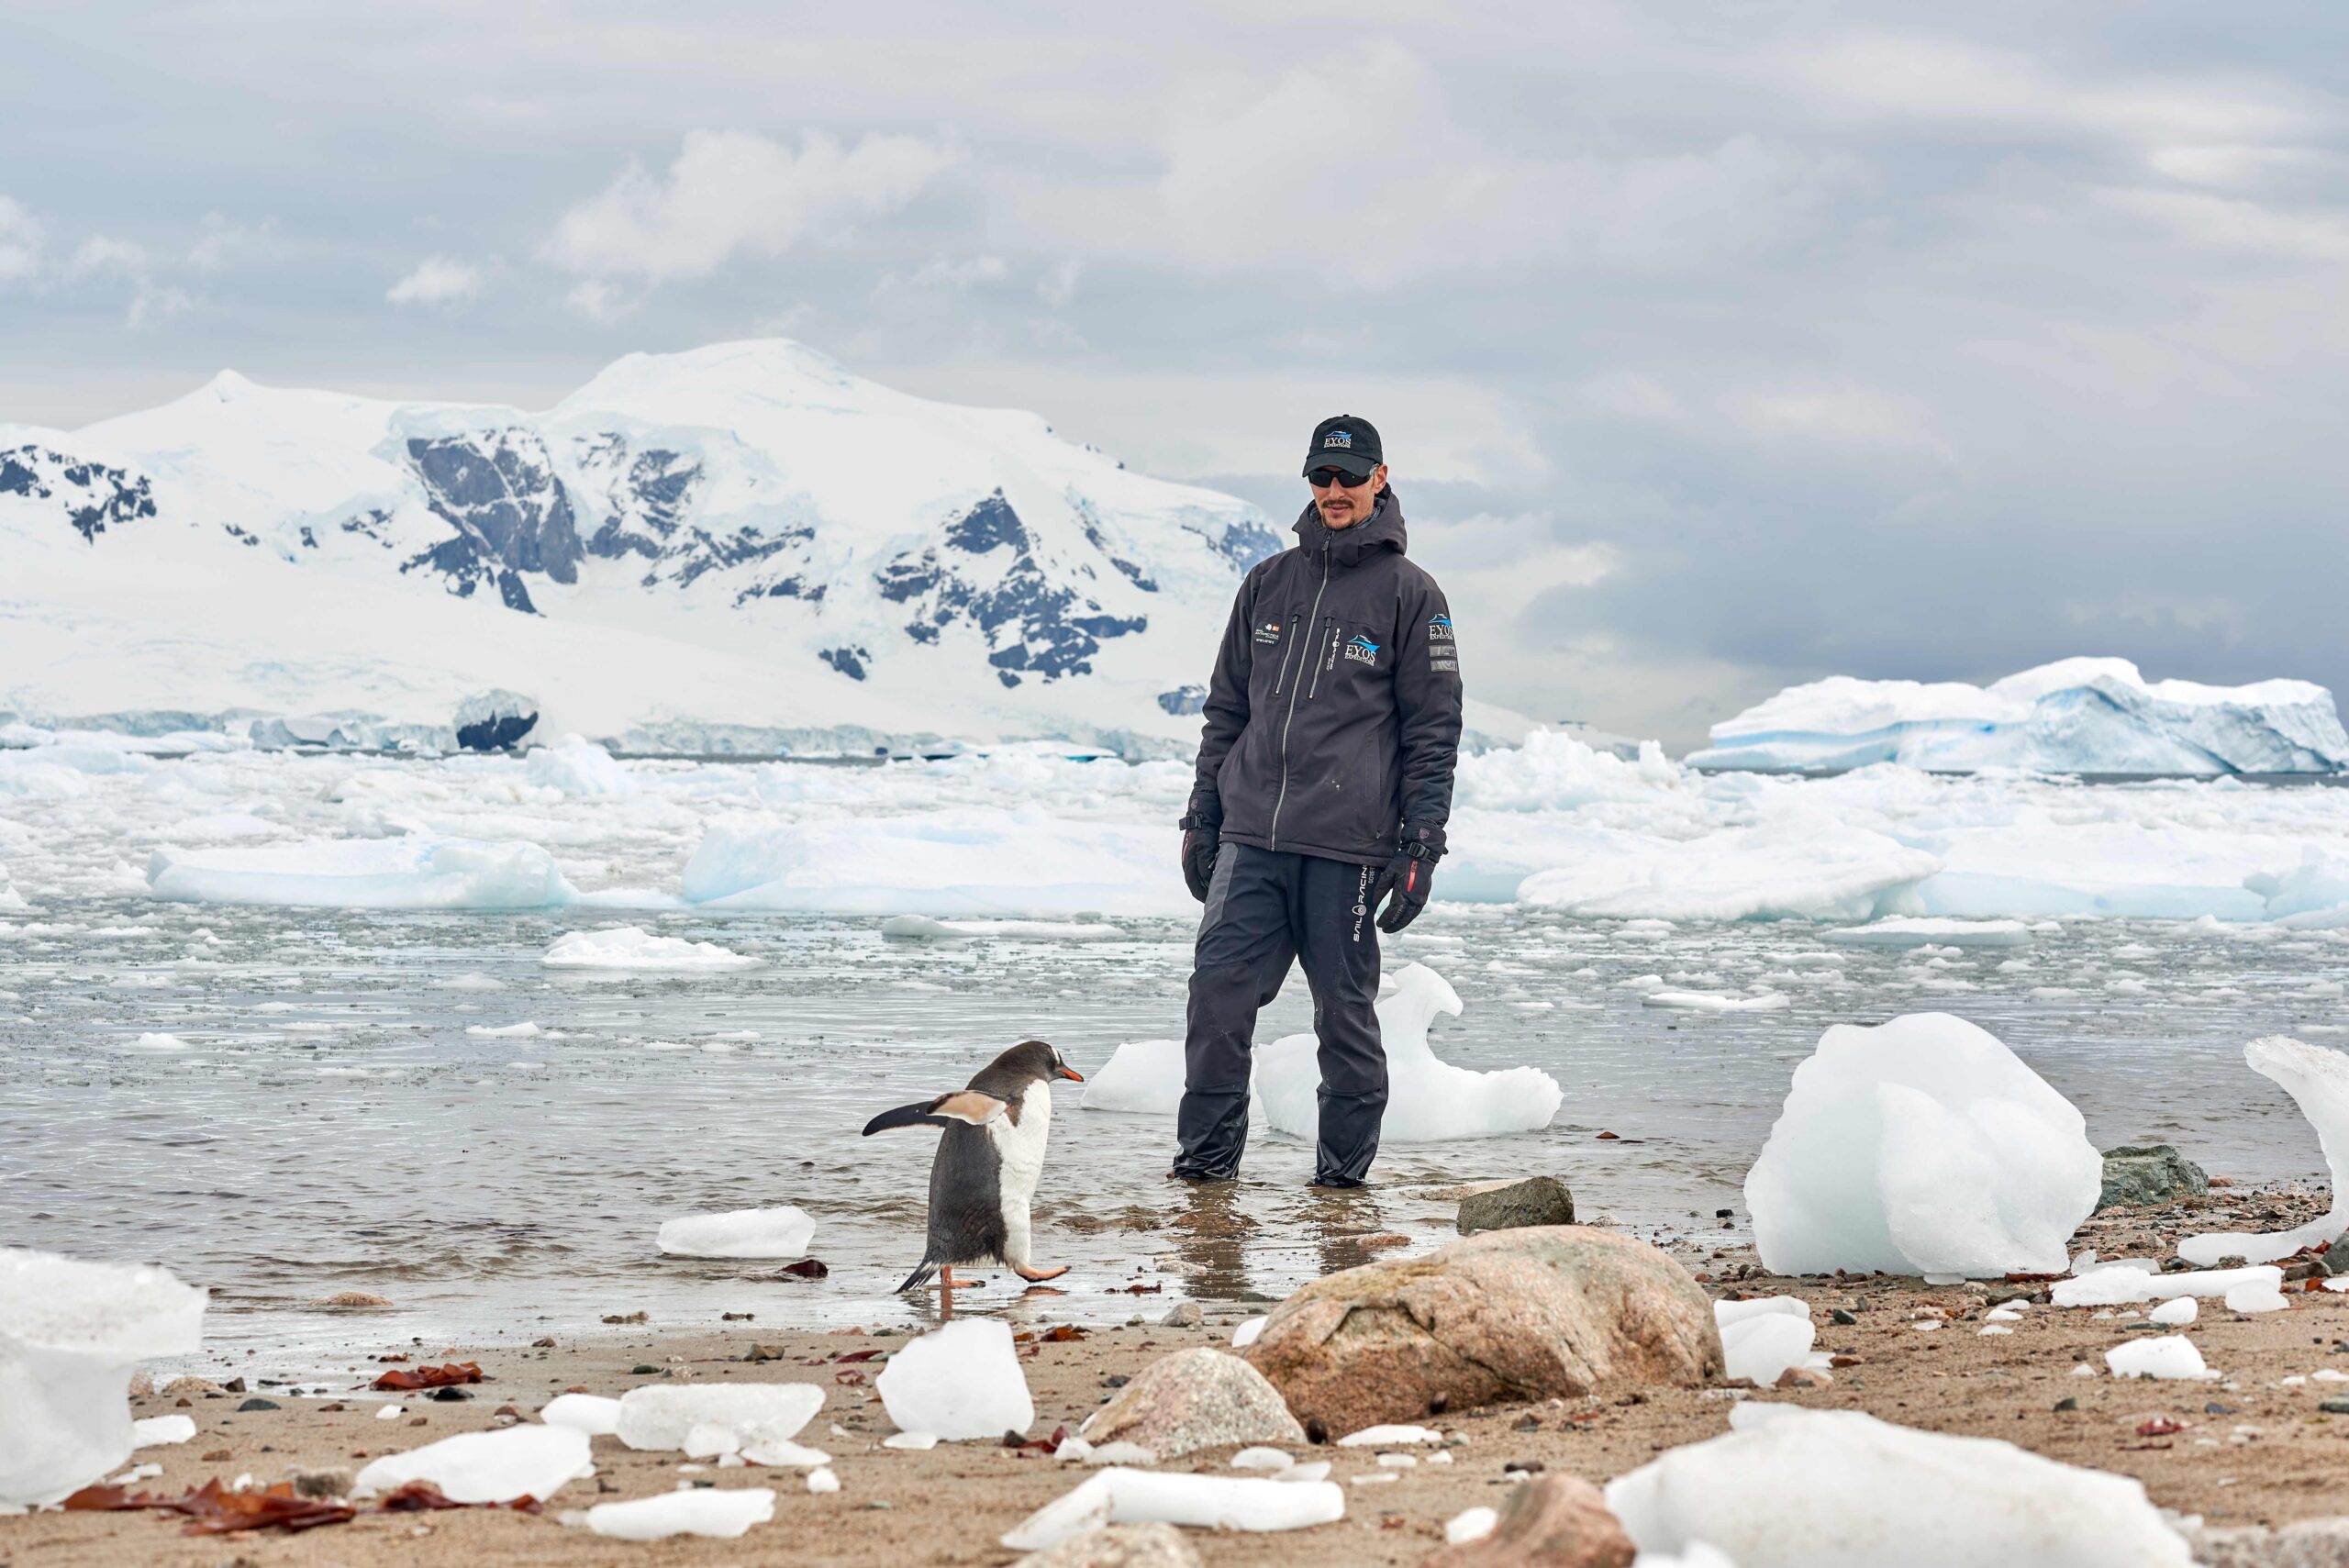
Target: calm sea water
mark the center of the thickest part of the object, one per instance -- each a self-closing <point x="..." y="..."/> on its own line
<point x="331" y="1125"/>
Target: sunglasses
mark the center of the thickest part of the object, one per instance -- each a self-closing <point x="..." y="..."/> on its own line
<point x="1323" y="478"/>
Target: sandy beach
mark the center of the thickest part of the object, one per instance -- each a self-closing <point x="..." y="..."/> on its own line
<point x="2242" y="1449"/>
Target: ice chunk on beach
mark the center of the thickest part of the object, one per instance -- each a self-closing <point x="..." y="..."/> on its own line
<point x="1803" y="866"/>
<point x="2175" y="1312"/>
<point x="419" y="872"/>
<point x="1921" y="932"/>
<point x="1428" y="1100"/>
<point x="2168" y="1356"/>
<point x="1119" y="1496"/>
<point x="633" y="947"/>
<point x="660" y="1417"/>
<point x="923" y="928"/>
<point x="486" y="1467"/>
<point x="1921" y="1146"/>
<point x="2318" y="1081"/>
<point x="576" y="765"/>
<point x="744" y="1233"/>
<point x="2086" y="715"/>
<point x="2123" y="1281"/>
<point x="963" y="1382"/>
<point x="952" y="861"/>
<point x="1762" y="1339"/>
<point x="1141" y="1075"/>
<point x="70" y="1334"/>
<point x="2252" y="1297"/>
<point x="1795" y="1488"/>
<point x="158" y="1431"/>
<point x="589" y="1413"/>
<point x="721" y="1513"/>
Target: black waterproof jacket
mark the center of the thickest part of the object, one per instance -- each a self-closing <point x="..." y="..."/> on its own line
<point x="1334" y="716"/>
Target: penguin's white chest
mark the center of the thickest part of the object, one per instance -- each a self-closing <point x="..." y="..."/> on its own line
<point x="1020" y="1146"/>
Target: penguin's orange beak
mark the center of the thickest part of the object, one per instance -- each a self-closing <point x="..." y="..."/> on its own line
<point x="1069" y="1073"/>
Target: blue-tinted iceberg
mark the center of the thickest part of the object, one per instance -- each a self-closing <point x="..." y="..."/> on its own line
<point x="412" y="873"/>
<point x="2094" y="716"/>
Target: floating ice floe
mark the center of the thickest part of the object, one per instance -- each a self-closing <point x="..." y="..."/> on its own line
<point x="2122" y="1282"/>
<point x="743" y="1233"/>
<point x="633" y="947"/>
<point x="1713" y="1001"/>
<point x="1760" y="1339"/>
<point x="1209" y="1502"/>
<point x="963" y="1382"/>
<point x="1143" y="1075"/>
<point x="953" y="861"/>
<point x="2318" y="1081"/>
<point x="526" y="1030"/>
<point x="1912" y="932"/>
<point x="2168" y="1356"/>
<point x="415" y="871"/>
<point x="1921" y="1146"/>
<point x="2084" y="715"/>
<point x="722" y="1513"/>
<point x="1811" y="868"/>
<point x="157" y="1043"/>
<point x="589" y="1413"/>
<point x="924" y="928"/>
<point x="486" y="1467"/>
<point x="661" y="1419"/>
<point x="70" y="1334"/>
<point x="576" y="765"/>
<point x="1789" y="1488"/>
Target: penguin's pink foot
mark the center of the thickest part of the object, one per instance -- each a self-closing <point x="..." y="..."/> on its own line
<point x="1036" y="1276"/>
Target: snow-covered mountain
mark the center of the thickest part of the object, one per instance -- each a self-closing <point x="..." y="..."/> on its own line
<point x="743" y="547"/>
<point x="2090" y="716"/>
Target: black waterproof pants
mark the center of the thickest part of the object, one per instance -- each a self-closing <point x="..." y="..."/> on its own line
<point x="1264" y="908"/>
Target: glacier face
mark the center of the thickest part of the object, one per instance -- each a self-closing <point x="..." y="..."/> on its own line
<point x="2091" y="716"/>
<point x="862" y="558"/>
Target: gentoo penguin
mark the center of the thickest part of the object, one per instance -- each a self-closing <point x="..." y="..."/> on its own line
<point x="985" y="1173"/>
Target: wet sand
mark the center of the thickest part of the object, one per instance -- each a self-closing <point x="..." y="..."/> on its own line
<point x="2249" y="1450"/>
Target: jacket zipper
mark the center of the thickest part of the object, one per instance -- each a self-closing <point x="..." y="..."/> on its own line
<point x="1283" y="799"/>
<point x="1328" y="662"/>
<point x="1281" y="679"/>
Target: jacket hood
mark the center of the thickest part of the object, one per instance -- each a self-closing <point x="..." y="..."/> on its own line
<point x="1383" y="530"/>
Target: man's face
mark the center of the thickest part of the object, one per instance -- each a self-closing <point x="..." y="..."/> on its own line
<point x="1342" y="502"/>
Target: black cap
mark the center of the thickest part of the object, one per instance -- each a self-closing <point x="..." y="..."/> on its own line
<point x="1344" y="443"/>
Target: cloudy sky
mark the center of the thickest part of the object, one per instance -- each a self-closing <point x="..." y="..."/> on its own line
<point x="1717" y="346"/>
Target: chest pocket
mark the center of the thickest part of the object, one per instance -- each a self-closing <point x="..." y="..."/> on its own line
<point x="1347" y="655"/>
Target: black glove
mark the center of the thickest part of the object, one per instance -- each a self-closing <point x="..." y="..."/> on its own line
<point x="1200" y="841"/>
<point x="1406" y="876"/>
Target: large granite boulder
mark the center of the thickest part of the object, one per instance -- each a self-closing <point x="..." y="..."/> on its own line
<point x="1195" y="1399"/>
<point x="2145" y="1173"/>
<point x="1551" y="1311"/>
<point x="1512" y="1206"/>
<point x="1550" y="1521"/>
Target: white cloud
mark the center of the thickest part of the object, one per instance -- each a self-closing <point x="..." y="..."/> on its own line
<point x="20" y="241"/>
<point x="101" y="254"/>
<point x="598" y="301"/>
<point x="941" y="273"/>
<point x="222" y="238"/>
<point x="733" y="192"/>
<point x="1058" y="285"/>
<point x="150" y="302"/>
<point x="437" y="280"/>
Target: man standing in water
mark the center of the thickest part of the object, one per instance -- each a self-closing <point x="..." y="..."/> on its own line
<point x="1324" y="783"/>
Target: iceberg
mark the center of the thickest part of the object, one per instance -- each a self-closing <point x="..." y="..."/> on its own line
<point x="1803" y="867"/>
<point x="1789" y="1488"/>
<point x="782" y="1232"/>
<point x="413" y="872"/>
<point x="945" y="864"/>
<point x="963" y="1382"/>
<point x="633" y="947"/>
<point x="486" y="1467"/>
<point x="2318" y="1081"/>
<point x="1921" y="1146"/>
<point x="70" y="1334"/>
<point x="2090" y="716"/>
<point x="577" y="766"/>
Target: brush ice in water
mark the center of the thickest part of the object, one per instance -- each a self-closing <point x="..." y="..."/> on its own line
<point x="743" y="1233"/>
<point x="1921" y="1146"/>
<point x="633" y="947"/>
<point x="924" y="928"/>
<point x="963" y="1382"/>
<point x="418" y="872"/>
<point x="70" y="1334"/>
<point x="1122" y="1496"/>
<point x="2318" y="1081"/>
<point x="662" y="1419"/>
<point x="723" y="1513"/>
<point x="486" y="1467"/>
<point x="1795" y="1488"/>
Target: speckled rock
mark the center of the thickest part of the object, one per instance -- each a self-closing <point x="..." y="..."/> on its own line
<point x="2306" y="1543"/>
<point x="2152" y="1173"/>
<point x="1550" y="1521"/>
<point x="1551" y="1311"/>
<point x="1119" y="1546"/>
<point x="1537" y="1200"/>
<point x="1195" y="1399"/>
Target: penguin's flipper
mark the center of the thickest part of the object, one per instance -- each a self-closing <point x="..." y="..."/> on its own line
<point x="968" y="1105"/>
<point x="919" y="1277"/>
